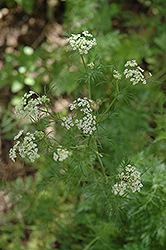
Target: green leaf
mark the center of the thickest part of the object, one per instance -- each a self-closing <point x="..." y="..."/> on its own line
<point x="162" y="136"/>
<point x="160" y="41"/>
<point x="29" y="81"/>
<point x="28" y="50"/>
<point x="27" y="5"/>
<point x="16" y="86"/>
<point x="22" y="69"/>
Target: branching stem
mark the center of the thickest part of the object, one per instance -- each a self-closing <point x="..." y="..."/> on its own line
<point x="54" y="116"/>
<point x="118" y="93"/>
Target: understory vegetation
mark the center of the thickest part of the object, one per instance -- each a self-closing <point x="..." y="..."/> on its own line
<point x="83" y="125"/>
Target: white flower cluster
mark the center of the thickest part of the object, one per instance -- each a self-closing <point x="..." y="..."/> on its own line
<point x="130" y="179"/>
<point x="135" y="74"/>
<point x="91" y="65"/>
<point x="29" y="106"/>
<point x="18" y="135"/>
<point x="61" y="154"/>
<point x="83" y="42"/>
<point x="83" y="118"/>
<point x="117" y="75"/>
<point x="39" y="134"/>
<point x="26" y="148"/>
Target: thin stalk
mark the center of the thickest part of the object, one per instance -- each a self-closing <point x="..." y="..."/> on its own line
<point x="117" y="87"/>
<point x="96" y="152"/>
<point x="48" y="144"/>
<point x="54" y="116"/>
<point x="83" y="62"/>
<point x="89" y="84"/>
<point x="77" y="147"/>
<point x="89" y="140"/>
<point x="91" y="243"/>
<point x="95" y="174"/>
<point x="98" y="157"/>
<point x="101" y="164"/>
<point x="118" y="93"/>
<point x="106" y="111"/>
<point x="125" y="88"/>
<point x="89" y="89"/>
<point x="100" y="184"/>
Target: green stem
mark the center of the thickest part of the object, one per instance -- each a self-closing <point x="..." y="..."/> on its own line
<point x="106" y="111"/>
<point x="125" y="88"/>
<point x="91" y="243"/>
<point x="118" y="93"/>
<point x="83" y="62"/>
<point x="101" y="164"/>
<point x="54" y="116"/>
<point x="117" y="87"/>
<point x="77" y="147"/>
<point x="102" y="186"/>
<point x="89" y="84"/>
<point x="98" y="157"/>
<point x="45" y="140"/>
<point x="90" y="136"/>
<point x="89" y="89"/>
<point x="96" y="152"/>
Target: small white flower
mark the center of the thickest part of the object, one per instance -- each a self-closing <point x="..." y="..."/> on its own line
<point x="91" y="65"/>
<point x="61" y="154"/>
<point x="55" y="156"/>
<point x="18" y="135"/>
<point x="130" y="179"/>
<point x="12" y="151"/>
<point x="30" y="106"/>
<point x="26" y="148"/>
<point x="132" y="63"/>
<point x="134" y="72"/>
<point x="86" y="121"/>
<point x="39" y="134"/>
<point x="117" y="75"/>
<point x="142" y="70"/>
<point x="82" y="42"/>
<point x="44" y="99"/>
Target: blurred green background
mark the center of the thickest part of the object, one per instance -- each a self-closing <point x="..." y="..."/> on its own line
<point x="36" y="210"/>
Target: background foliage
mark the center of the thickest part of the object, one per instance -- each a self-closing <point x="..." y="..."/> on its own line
<point x="39" y="212"/>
